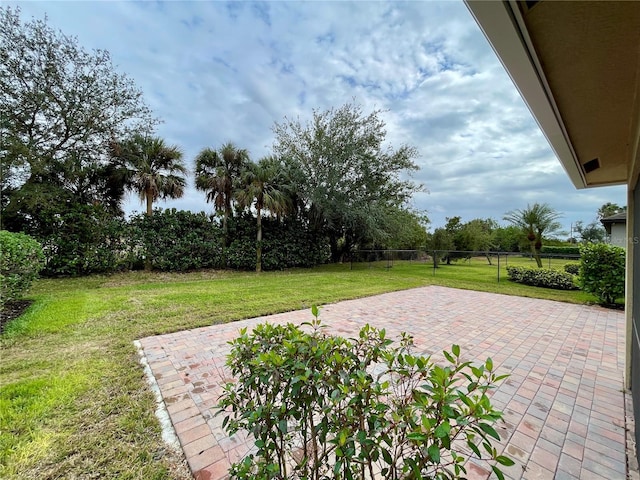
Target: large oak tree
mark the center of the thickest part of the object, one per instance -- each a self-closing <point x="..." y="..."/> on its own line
<point x="60" y="106"/>
<point x="348" y="177"/>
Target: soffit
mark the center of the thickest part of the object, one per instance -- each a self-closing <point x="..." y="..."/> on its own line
<point x="589" y="54"/>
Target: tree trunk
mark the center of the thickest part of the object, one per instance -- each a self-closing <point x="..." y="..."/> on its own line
<point x="536" y="254"/>
<point x="149" y="198"/>
<point x="225" y="225"/>
<point x="259" y="243"/>
<point x="333" y="243"/>
<point x="225" y="236"/>
<point x="488" y="258"/>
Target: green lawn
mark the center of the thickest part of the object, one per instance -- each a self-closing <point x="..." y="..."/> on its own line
<point x="73" y="398"/>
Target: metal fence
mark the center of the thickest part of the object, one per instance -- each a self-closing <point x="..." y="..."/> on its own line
<point x="432" y="259"/>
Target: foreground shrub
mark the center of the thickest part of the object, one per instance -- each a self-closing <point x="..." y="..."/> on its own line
<point x="321" y="406"/>
<point x="572" y="268"/>
<point x="542" y="277"/>
<point x="602" y="271"/>
<point x="21" y="259"/>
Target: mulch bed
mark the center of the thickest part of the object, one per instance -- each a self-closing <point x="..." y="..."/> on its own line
<point x="12" y="310"/>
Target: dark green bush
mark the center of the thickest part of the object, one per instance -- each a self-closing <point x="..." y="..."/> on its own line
<point x="572" y="268"/>
<point x="21" y="259"/>
<point x="321" y="406"/>
<point x="542" y="277"/>
<point x="560" y="250"/>
<point x="86" y="239"/>
<point x="602" y="271"/>
<point x="285" y="244"/>
<point x="176" y="240"/>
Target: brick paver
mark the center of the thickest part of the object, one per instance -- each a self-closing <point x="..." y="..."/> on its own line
<point x="564" y="401"/>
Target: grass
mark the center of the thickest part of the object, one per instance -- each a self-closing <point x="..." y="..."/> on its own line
<point x="73" y="398"/>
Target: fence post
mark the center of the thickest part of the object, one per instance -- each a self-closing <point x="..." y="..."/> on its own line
<point x="498" y="267"/>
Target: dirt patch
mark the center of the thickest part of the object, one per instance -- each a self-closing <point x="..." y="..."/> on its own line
<point x="12" y="310"/>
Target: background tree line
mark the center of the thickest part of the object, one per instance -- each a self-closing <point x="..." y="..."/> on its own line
<point x="529" y="228"/>
<point x="77" y="136"/>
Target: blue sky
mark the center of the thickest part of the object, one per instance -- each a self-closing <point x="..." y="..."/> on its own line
<point x="226" y="71"/>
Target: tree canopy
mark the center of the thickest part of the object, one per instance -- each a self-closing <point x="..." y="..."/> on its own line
<point x="59" y="104"/>
<point x="347" y="177"/>
<point x="61" y="107"/>
<point x="609" y="208"/>
<point x="592" y="232"/>
<point x="152" y="168"/>
<point x="217" y="173"/>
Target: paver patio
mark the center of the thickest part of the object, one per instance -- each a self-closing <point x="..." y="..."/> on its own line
<point x="563" y="404"/>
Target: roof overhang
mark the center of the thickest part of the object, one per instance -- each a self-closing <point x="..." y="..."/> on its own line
<point x="577" y="67"/>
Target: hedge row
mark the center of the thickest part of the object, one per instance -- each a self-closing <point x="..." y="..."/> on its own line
<point x="87" y="240"/>
<point x="542" y="277"/>
<point x="560" y="250"/>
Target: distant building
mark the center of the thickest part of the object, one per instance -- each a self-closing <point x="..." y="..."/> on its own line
<point x="616" y="227"/>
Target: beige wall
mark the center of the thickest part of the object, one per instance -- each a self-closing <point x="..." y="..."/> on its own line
<point x="618" y="235"/>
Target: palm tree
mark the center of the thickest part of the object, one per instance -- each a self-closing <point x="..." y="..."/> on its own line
<point x="216" y="172"/>
<point x="535" y="221"/>
<point x="263" y="187"/>
<point x="155" y="170"/>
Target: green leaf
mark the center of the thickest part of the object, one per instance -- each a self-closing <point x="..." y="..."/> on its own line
<point x="442" y="430"/>
<point x="448" y="356"/>
<point x="386" y="456"/>
<point x="417" y="436"/>
<point x="456" y="350"/>
<point x="426" y="422"/>
<point x="489" y="364"/>
<point x="503" y="460"/>
<point x="489" y="430"/>
<point x="474" y="447"/>
<point x="283" y="427"/>
<point x="498" y="472"/>
<point x="434" y="453"/>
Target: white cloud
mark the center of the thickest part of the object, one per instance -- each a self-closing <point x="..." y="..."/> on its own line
<point x="217" y="72"/>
